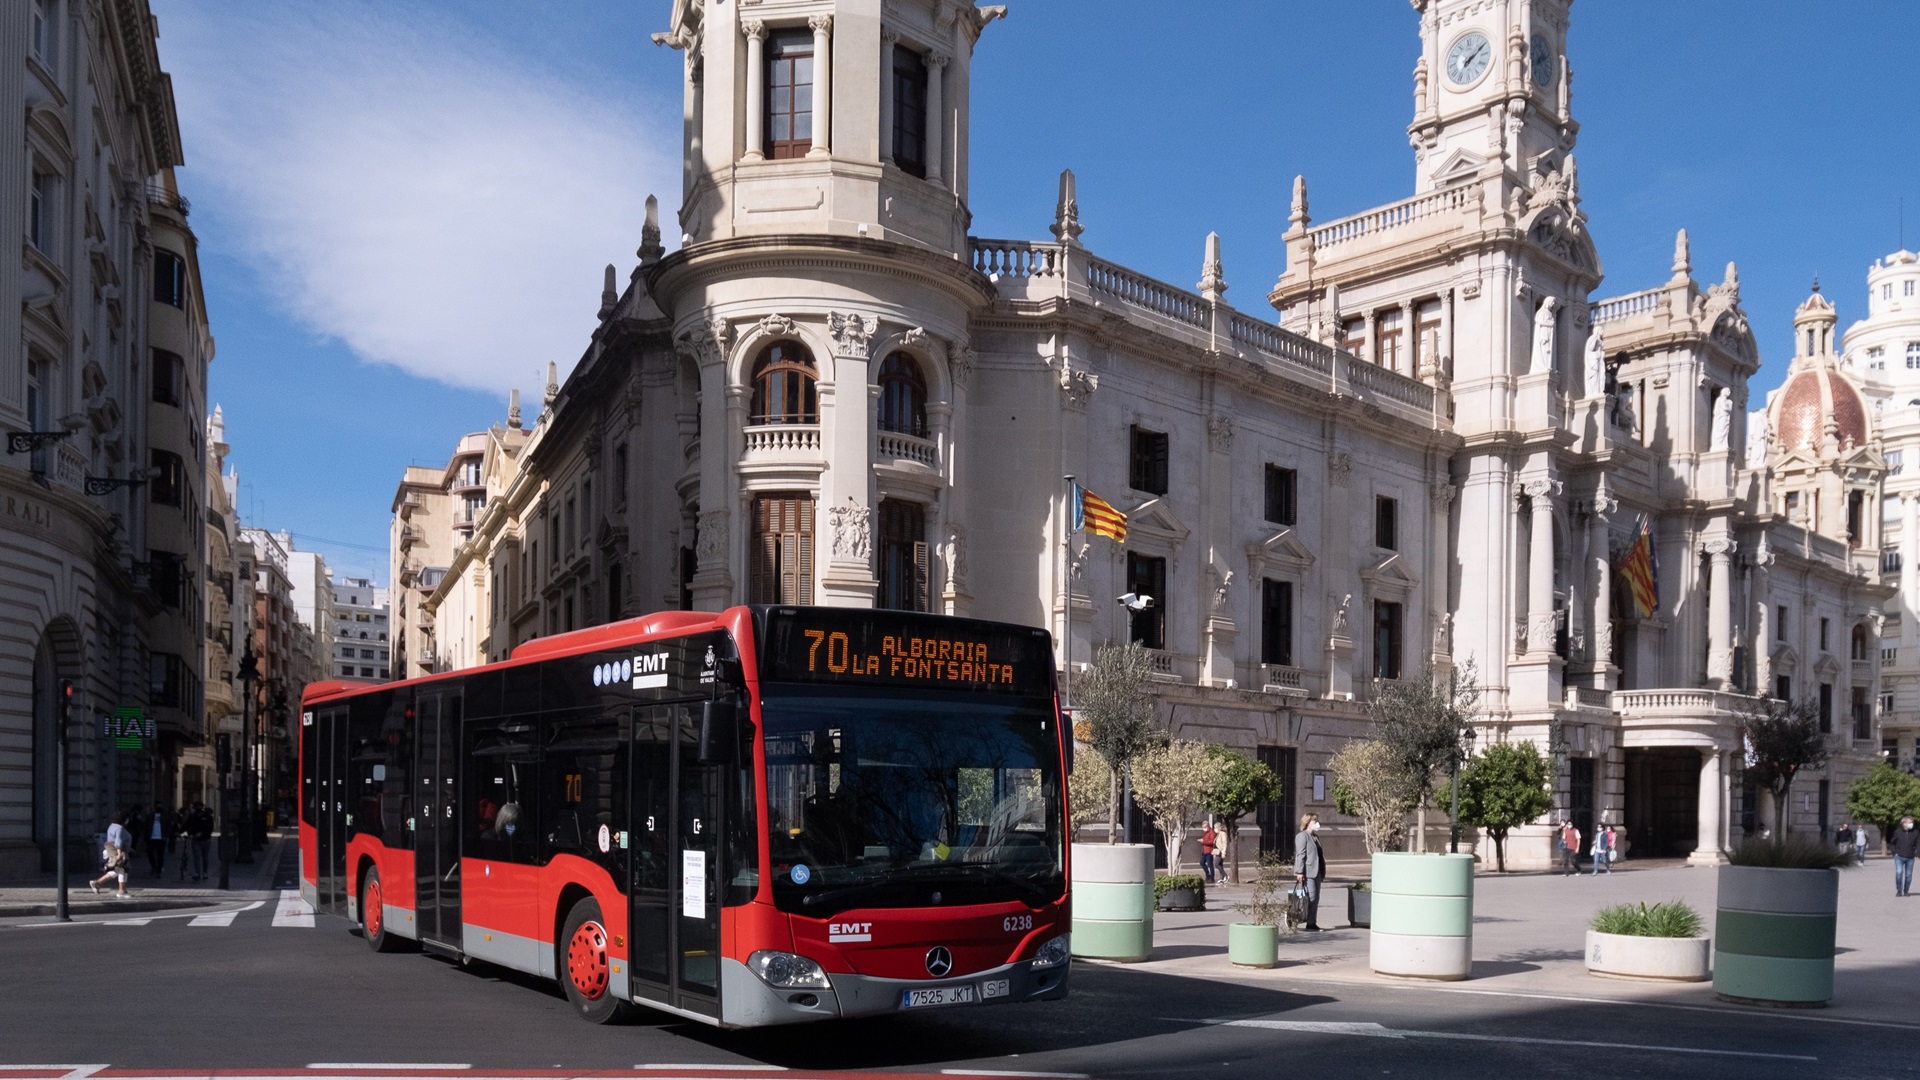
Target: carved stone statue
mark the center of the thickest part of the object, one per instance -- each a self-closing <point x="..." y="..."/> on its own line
<point x="1757" y="443"/>
<point x="957" y="556"/>
<point x="1223" y="585"/>
<point x="1596" y="364"/>
<point x="1722" y="419"/>
<point x="1443" y="633"/>
<point x="850" y="540"/>
<point x="1340" y="616"/>
<point x="1543" y="336"/>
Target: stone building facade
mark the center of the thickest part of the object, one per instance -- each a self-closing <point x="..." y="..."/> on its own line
<point x="102" y="579"/>
<point x="1438" y="451"/>
<point x="1882" y="353"/>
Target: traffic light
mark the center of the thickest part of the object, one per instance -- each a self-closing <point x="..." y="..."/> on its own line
<point x="66" y="691"/>
<point x="223" y="752"/>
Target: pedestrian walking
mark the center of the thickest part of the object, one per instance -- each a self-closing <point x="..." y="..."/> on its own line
<point x="1309" y="866"/>
<point x="114" y="855"/>
<point x="1208" y="841"/>
<point x="1905" y="843"/>
<point x="1569" y="848"/>
<point x="156" y="835"/>
<point x="1613" y="846"/>
<point x="1843" y="837"/>
<point x="1860" y="843"/>
<point x="1602" y="850"/>
<point x="200" y="836"/>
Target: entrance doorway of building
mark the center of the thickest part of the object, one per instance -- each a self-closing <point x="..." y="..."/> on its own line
<point x="1663" y="802"/>
<point x="1580" y="800"/>
<point x="1276" y="819"/>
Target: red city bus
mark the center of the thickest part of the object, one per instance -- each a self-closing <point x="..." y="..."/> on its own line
<point x="766" y="815"/>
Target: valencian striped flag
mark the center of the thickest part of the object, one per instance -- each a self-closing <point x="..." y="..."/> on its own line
<point x="1097" y="516"/>
<point x="1641" y="573"/>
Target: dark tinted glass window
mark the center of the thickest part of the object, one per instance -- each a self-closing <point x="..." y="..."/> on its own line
<point x="1147" y="463"/>
<point x="909" y="111"/>
<point x="169" y="278"/>
<point x="1276" y="622"/>
<point x="1386" y="640"/>
<point x="789" y="82"/>
<point x="1283" y="495"/>
<point x="1147" y="576"/>
<point x="1386" y="523"/>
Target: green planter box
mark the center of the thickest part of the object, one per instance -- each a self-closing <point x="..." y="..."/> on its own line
<point x="1422" y="915"/>
<point x="1254" y="945"/>
<point x="1773" y="935"/>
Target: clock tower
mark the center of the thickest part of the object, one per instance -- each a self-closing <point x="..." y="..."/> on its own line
<point x="1490" y="91"/>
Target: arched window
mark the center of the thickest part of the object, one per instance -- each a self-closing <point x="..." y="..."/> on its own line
<point x="783" y="386"/>
<point x="903" y="396"/>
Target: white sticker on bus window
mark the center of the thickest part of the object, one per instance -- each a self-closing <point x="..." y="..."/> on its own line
<point x="693" y="884"/>
<point x="379" y="772"/>
<point x="606" y="839"/>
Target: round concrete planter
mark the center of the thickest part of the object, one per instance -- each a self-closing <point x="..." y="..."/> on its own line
<point x="1113" y="901"/>
<point x="1254" y="945"/>
<point x="1773" y="935"/>
<point x="1664" y="959"/>
<point x="1422" y="919"/>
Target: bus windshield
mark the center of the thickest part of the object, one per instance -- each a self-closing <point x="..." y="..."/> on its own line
<point x="911" y="800"/>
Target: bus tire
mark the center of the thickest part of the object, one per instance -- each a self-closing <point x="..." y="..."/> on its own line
<point x="586" y="968"/>
<point x="373" y="916"/>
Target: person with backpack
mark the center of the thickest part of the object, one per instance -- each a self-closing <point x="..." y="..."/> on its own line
<point x="1569" y="848"/>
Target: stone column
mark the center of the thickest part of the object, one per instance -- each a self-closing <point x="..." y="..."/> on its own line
<point x="1540" y="620"/>
<point x="1712" y="804"/>
<point x="822" y="26"/>
<point x="1601" y="636"/>
<point x="1719" y="611"/>
<point x="888" y="40"/>
<point x="756" y="103"/>
<point x="1372" y="355"/>
<point x="936" y="152"/>
<point x="1409" y="340"/>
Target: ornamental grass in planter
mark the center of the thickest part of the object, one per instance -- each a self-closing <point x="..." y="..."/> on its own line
<point x="1180" y="892"/>
<point x="1773" y="931"/>
<point x="1255" y="942"/>
<point x="1635" y="941"/>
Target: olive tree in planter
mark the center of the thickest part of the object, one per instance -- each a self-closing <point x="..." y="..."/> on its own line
<point x="1243" y="786"/>
<point x="1773" y="934"/>
<point x="1369" y="784"/>
<point x="1420" y="720"/>
<point x="1502" y="787"/>
<point x="1119" y="710"/>
<point x="1782" y="738"/>
<point x="1113" y="883"/>
<point x="1634" y="941"/>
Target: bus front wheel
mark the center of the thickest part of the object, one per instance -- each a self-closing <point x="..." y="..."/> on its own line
<point x="586" y="966"/>
<point x="373" y="916"/>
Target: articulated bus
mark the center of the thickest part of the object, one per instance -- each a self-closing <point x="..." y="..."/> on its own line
<point x="760" y="816"/>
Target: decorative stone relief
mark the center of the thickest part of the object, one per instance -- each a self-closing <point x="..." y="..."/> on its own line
<point x="957" y="556"/>
<point x="1719" y="547"/>
<point x="1603" y="643"/>
<point x="851" y="540"/>
<point x="960" y="361"/>
<point x="711" y="546"/>
<point x="1339" y="467"/>
<point x="820" y="24"/>
<point x="777" y="326"/>
<point x="1443" y="492"/>
<point x="1220" y="432"/>
<point x="1542" y="627"/>
<point x="1078" y="386"/>
<point x="852" y="334"/>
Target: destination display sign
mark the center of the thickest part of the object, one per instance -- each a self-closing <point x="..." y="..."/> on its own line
<point x="893" y="648"/>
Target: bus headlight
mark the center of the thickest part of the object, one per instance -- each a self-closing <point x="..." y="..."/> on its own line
<point x="1054" y="952"/>
<point x="787" y="971"/>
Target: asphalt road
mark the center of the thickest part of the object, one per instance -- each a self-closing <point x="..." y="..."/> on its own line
<point x="185" y="991"/>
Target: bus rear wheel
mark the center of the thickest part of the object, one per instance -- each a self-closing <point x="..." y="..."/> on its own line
<point x="586" y="966"/>
<point x="373" y="916"/>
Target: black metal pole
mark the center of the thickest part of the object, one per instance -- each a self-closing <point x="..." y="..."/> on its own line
<point x="1453" y="814"/>
<point x="243" y="836"/>
<point x="60" y="806"/>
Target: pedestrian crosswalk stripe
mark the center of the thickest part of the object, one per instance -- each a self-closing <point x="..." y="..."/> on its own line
<point x="293" y="911"/>
<point x="218" y="918"/>
<point x="127" y="922"/>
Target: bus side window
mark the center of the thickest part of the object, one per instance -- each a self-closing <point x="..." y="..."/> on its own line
<point x="582" y="773"/>
<point x="499" y="773"/>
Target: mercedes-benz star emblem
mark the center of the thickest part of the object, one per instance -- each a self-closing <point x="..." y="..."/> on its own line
<point x="939" y="961"/>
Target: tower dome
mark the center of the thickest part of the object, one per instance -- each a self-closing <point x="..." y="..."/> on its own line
<point x="1816" y="397"/>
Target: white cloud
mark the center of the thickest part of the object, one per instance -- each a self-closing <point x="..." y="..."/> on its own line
<point x="425" y="197"/>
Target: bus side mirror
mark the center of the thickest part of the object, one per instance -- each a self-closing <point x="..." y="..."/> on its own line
<point x="719" y="732"/>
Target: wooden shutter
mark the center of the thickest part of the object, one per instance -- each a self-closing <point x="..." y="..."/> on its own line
<point x="922" y="577"/>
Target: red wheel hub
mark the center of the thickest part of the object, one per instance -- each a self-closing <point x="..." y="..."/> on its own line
<point x="587" y="960"/>
<point x="373" y="911"/>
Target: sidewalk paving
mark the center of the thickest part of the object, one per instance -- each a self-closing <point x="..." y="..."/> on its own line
<point x="248" y="881"/>
<point x="1529" y="939"/>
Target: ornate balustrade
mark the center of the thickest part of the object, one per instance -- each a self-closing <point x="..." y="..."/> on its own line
<point x="1016" y="258"/>
<point x="1393" y="216"/>
<point x="777" y="440"/>
<point x="898" y="446"/>
<point x="1144" y="292"/>
<point x="1387" y="384"/>
<point x="1644" y="302"/>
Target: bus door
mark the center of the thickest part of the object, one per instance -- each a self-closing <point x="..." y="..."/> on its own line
<point x="676" y="916"/>
<point x="329" y="776"/>
<point x="436" y="850"/>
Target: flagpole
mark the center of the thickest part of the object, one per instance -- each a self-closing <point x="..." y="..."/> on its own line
<point x="1066" y="592"/>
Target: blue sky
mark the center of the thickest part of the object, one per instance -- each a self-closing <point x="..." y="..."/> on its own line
<point x="404" y="210"/>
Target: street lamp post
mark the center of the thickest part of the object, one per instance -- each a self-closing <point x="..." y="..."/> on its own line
<point x="243" y="838"/>
<point x="1461" y="747"/>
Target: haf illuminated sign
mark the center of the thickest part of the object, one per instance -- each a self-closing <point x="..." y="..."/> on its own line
<point x="128" y="728"/>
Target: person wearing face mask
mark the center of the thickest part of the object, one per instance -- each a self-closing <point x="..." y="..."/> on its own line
<point x="1905" y="843"/>
<point x="1309" y="866"/>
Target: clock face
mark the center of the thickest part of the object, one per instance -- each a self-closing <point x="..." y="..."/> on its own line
<point x="1543" y="61"/>
<point x="1469" y="57"/>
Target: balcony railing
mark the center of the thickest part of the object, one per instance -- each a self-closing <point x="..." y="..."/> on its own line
<point x="1387" y="218"/>
<point x="1282" y="679"/>
<point x="1681" y="704"/>
<point x="899" y="446"/>
<point x="1644" y="302"/>
<point x="779" y="440"/>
